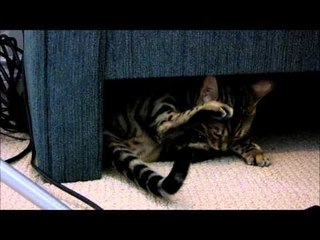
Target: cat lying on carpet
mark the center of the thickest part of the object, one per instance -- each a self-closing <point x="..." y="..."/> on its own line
<point x="215" y="117"/>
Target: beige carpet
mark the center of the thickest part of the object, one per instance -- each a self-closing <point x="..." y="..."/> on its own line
<point x="291" y="182"/>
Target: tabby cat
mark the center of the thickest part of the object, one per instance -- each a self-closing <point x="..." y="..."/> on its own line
<point x="216" y="117"/>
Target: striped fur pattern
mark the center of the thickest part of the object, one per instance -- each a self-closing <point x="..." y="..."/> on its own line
<point x="232" y="134"/>
<point x="216" y="117"/>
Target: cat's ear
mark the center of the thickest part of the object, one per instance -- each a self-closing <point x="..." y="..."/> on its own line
<point x="261" y="88"/>
<point x="209" y="90"/>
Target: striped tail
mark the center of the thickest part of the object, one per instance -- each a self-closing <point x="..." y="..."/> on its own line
<point x="127" y="163"/>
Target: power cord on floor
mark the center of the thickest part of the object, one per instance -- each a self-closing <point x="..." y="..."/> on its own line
<point x="15" y="112"/>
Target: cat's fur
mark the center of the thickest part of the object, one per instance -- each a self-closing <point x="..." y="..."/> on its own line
<point x="216" y="117"/>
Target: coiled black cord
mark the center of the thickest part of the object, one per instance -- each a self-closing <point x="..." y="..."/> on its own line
<point x="15" y="113"/>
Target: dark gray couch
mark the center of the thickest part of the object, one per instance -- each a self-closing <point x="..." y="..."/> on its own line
<point x="65" y="71"/>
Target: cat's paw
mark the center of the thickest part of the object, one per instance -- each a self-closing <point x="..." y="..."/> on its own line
<point x="220" y="110"/>
<point x="258" y="158"/>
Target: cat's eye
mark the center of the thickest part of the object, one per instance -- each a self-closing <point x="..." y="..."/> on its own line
<point x="201" y="137"/>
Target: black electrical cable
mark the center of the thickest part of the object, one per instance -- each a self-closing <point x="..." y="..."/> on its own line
<point x="6" y="109"/>
<point x="12" y="114"/>
<point x="20" y="155"/>
<point x="14" y="137"/>
<point x="46" y="176"/>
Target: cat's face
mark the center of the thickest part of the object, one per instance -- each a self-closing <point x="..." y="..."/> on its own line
<point x="222" y="134"/>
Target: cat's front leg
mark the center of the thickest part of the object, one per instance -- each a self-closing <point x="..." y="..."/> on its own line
<point x="251" y="153"/>
<point x="196" y="115"/>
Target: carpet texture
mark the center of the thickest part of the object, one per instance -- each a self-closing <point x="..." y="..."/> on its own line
<point x="291" y="182"/>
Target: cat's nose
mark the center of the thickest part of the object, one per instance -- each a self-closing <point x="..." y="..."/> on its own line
<point x="224" y="147"/>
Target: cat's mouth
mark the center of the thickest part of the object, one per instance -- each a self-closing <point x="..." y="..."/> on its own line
<point x="219" y="146"/>
<point x="216" y="143"/>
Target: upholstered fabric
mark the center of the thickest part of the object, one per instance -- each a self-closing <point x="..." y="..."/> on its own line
<point x="64" y="81"/>
<point x="133" y="54"/>
<point x="65" y="72"/>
